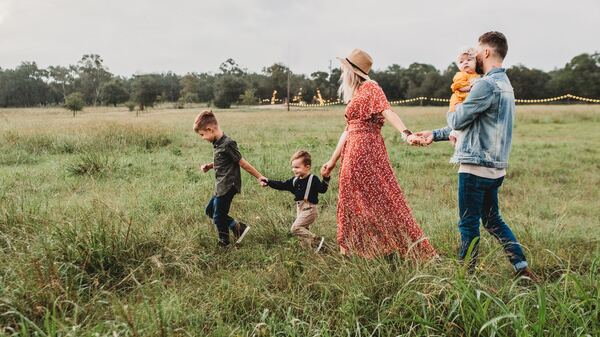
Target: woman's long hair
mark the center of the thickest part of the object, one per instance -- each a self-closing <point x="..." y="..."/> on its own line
<point x="349" y="82"/>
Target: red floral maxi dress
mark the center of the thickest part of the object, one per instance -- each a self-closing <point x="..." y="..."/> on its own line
<point x="372" y="214"/>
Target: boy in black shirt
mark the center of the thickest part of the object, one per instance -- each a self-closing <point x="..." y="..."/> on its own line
<point x="306" y="188"/>
<point x="227" y="162"/>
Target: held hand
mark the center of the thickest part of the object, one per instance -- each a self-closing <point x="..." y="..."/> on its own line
<point x="413" y="139"/>
<point x="426" y="135"/>
<point x="262" y="180"/>
<point x="452" y="140"/>
<point x="327" y="168"/>
<point x="205" y="167"/>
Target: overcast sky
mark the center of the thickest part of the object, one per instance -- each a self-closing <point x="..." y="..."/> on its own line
<point x="141" y="36"/>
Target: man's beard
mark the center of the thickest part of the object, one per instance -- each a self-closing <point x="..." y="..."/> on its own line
<point x="479" y="66"/>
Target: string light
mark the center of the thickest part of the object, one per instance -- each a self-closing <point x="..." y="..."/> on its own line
<point x="434" y="99"/>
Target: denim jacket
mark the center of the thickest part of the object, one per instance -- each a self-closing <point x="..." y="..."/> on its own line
<point x="486" y="118"/>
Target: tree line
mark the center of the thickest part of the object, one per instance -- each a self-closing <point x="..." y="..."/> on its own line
<point x="89" y="82"/>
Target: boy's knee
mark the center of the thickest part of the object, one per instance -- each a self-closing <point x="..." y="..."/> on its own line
<point x="469" y="224"/>
<point x="295" y="229"/>
<point x="209" y="210"/>
<point x="493" y="223"/>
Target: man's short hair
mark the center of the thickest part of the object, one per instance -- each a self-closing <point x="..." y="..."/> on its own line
<point x="497" y="41"/>
<point x="205" y="119"/>
<point x="305" y="156"/>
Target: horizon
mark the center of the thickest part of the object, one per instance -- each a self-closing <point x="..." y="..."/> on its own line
<point x="142" y="37"/>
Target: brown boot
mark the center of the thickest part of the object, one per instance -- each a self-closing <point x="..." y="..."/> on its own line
<point x="527" y="274"/>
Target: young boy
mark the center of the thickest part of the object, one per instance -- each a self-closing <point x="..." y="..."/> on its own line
<point x="227" y="162"/>
<point x="306" y="188"/>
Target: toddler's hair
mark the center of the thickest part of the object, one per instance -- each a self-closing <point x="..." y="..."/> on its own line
<point x="305" y="156"/>
<point x="465" y="51"/>
<point x="205" y="119"/>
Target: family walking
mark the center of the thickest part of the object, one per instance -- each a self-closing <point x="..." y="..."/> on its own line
<point x="373" y="216"/>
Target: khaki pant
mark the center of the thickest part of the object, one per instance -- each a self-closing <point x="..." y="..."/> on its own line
<point x="305" y="216"/>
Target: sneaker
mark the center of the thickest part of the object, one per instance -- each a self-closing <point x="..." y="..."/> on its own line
<point x="320" y="245"/>
<point x="528" y="274"/>
<point x="240" y="231"/>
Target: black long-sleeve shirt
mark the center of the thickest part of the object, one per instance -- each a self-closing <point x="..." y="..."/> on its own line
<point x="298" y="187"/>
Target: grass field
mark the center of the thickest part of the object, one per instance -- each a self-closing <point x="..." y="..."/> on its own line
<point x="102" y="231"/>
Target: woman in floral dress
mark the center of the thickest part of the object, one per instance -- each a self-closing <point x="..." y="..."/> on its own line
<point x="372" y="215"/>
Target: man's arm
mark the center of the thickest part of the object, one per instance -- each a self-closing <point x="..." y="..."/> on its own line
<point x="441" y="134"/>
<point x="478" y="101"/>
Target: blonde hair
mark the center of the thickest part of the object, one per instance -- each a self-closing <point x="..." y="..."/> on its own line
<point x="349" y="82"/>
<point x="470" y="51"/>
<point x="205" y="119"/>
<point x="301" y="154"/>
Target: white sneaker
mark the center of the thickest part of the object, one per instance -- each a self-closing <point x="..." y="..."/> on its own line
<point x="244" y="230"/>
<point x="320" y="245"/>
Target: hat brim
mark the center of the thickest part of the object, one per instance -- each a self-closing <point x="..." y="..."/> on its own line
<point x="350" y="66"/>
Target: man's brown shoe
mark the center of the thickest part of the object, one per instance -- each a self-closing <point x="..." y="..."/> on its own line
<point x="527" y="273"/>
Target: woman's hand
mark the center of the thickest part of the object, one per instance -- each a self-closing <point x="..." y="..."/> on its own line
<point x="327" y="168"/>
<point x="415" y="139"/>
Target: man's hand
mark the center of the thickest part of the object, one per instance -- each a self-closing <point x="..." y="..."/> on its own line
<point x="413" y="139"/>
<point x="206" y="167"/>
<point x="426" y="135"/>
<point x="263" y="181"/>
<point x="327" y="168"/>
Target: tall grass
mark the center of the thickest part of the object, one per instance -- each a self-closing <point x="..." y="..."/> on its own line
<point x="102" y="232"/>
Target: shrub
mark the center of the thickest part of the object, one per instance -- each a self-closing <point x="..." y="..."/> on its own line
<point x="75" y="102"/>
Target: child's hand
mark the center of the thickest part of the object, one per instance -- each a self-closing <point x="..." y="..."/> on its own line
<point x="263" y="181"/>
<point x="465" y="89"/>
<point x="327" y="168"/>
<point x="206" y="167"/>
<point x="452" y="139"/>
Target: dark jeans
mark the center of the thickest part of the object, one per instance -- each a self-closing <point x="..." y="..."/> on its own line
<point x="218" y="210"/>
<point x="478" y="200"/>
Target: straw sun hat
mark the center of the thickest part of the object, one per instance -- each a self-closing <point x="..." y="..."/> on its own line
<point x="359" y="61"/>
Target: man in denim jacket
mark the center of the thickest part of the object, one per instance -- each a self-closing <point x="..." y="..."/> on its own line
<point x="486" y="117"/>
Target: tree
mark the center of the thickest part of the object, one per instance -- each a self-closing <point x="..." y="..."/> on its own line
<point x="334" y="83"/>
<point x="393" y="81"/>
<point x="92" y="73"/>
<point x="581" y="76"/>
<point x="114" y="92"/>
<point x="230" y="67"/>
<point x="146" y="89"/>
<point x="278" y="75"/>
<point x="170" y="87"/>
<point x="248" y="97"/>
<point x="261" y="84"/>
<point x="320" y="79"/>
<point x="23" y="86"/>
<point x="75" y="102"/>
<point x="62" y="79"/>
<point x="228" y="89"/>
<point x="528" y="83"/>
<point x="206" y="87"/>
<point x="190" y="85"/>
